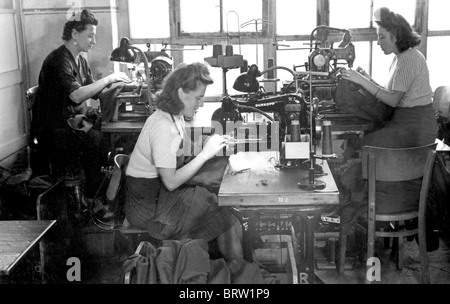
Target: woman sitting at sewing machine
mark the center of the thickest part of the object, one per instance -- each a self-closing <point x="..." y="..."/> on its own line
<point x="65" y="84"/>
<point x="408" y="91"/>
<point x="157" y="197"/>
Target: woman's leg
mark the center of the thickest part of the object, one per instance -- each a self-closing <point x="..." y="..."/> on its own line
<point x="230" y="243"/>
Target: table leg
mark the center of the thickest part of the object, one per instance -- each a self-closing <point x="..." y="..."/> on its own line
<point x="307" y="269"/>
<point x="247" y="231"/>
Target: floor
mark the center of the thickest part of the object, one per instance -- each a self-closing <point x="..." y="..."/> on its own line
<point x="107" y="270"/>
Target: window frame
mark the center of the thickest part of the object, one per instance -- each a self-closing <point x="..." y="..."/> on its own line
<point x="268" y="37"/>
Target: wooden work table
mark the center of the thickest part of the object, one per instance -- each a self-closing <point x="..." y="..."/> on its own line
<point x="17" y="239"/>
<point x="265" y="189"/>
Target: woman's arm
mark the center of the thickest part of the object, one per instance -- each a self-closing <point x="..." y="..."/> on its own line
<point x="174" y="178"/>
<point x="391" y="98"/>
<point x="85" y="92"/>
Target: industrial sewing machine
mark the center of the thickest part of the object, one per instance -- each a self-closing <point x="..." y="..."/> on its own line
<point x="308" y="97"/>
<point x="132" y="102"/>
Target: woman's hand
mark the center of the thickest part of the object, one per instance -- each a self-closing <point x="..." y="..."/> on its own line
<point x="352" y="76"/>
<point x="212" y="145"/>
<point x="118" y="77"/>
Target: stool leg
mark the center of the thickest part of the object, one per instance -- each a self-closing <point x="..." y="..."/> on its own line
<point x="424" y="256"/>
<point x="401" y="241"/>
<point x="342" y="251"/>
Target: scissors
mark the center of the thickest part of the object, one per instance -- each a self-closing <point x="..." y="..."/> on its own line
<point x="239" y="171"/>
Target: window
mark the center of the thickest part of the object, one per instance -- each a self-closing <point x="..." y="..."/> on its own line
<point x="296" y="17"/>
<point x="406" y="8"/>
<point x="195" y="20"/>
<point x="149" y="18"/>
<point x="235" y="13"/>
<point x="295" y="20"/>
<point x="438" y="64"/>
<point x="247" y="11"/>
<point x="346" y="14"/>
<point x="438" y="18"/>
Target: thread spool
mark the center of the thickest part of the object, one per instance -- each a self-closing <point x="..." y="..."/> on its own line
<point x="295" y="131"/>
<point x="217" y="50"/>
<point x="327" y="145"/>
<point x="270" y="74"/>
<point x="229" y="50"/>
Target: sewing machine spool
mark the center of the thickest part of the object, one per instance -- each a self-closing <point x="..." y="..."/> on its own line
<point x="327" y="146"/>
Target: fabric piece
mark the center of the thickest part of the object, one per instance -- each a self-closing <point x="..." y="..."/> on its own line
<point x="144" y="264"/>
<point x="210" y="174"/>
<point x="354" y="99"/>
<point x="219" y="273"/>
<point x="183" y="262"/>
<point x="79" y="123"/>
<point x="108" y="100"/>
<point x="243" y="272"/>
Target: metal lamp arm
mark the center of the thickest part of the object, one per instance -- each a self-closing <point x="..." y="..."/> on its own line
<point x="147" y="74"/>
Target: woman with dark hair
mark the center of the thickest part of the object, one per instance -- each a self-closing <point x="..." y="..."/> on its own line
<point x="157" y="196"/>
<point x="65" y="84"/>
<point x="407" y="90"/>
<point x="413" y="122"/>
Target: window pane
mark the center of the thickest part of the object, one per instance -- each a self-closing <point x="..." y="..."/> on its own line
<point x="200" y="16"/>
<point x="246" y="10"/>
<point x="342" y="13"/>
<point x="437" y="63"/>
<point x="290" y="58"/>
<point x="406" y="8"/>
<point x="362" y="55"/>
<point x="149" y="18"/>
<point x="296" y="17"/>
<point x="438" y="15"/>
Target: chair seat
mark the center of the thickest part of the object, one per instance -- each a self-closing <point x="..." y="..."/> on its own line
<point x="394" y="217"/>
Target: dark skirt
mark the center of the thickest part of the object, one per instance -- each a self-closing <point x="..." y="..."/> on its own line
<point x="409" y="127"/>
<point x="187" y="212"/>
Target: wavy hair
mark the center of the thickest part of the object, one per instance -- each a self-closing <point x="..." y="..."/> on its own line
<point x="185" y="76"/>
<point x="78" y="22"/>
<point x="397" y="25"/>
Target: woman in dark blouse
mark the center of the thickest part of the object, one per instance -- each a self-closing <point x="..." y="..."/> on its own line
<point x="65" y="84"/>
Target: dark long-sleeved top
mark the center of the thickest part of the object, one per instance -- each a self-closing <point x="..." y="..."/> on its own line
<point x="60" y="75"/>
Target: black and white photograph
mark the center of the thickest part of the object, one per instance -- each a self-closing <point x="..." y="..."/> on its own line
<point x="238" y="145"/>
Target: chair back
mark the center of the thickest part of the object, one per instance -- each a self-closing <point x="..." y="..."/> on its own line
<point x="393" y="165"/>
<point x="31" y="94"/>
<point x="441" y="101"/>
<point x="120" y="165"/>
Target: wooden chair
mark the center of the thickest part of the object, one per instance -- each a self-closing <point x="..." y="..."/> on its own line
<point x="392" y="165"/>
<point x="115" y="184"/>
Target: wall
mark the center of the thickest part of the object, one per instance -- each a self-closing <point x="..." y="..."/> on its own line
<point x="13" y="123"/>
<point x="43" y="26"/>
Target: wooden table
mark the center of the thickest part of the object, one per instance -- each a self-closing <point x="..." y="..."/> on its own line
<point x="265" y="189"/>
<point x="17" y="239"/>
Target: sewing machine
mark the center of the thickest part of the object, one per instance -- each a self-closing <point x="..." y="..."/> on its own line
<point x="132" y="101"/>
<point x="308" y="97"/>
